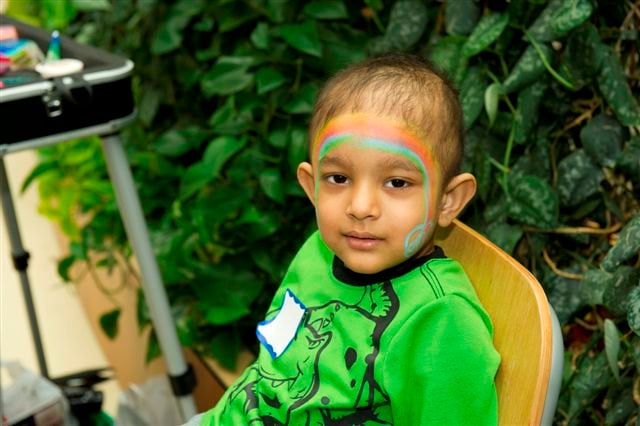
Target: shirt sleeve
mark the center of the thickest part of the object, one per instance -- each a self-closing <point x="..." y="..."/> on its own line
<point x="440" y="367"/>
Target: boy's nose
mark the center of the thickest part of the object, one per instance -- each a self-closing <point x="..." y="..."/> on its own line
<point x="363" y="203"/>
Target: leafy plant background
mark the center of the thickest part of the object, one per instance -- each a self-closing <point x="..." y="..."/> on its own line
<point x="224" y="90"/>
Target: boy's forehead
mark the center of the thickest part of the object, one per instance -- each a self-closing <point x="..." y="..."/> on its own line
<point x="379" y="132"/>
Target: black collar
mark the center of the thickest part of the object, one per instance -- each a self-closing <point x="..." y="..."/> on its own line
<point x="347" y="276"/>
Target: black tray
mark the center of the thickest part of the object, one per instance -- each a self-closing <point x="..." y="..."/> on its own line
<point x="97" y="100"/>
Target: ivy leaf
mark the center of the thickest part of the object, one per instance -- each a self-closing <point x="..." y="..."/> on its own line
<point x="578" y="178"/>
<point x="612" y="82"/>
<point x="225" y="78"/>
<point x="447" y="55"/>
<point x="326" y="9"/>
<point x="570" y="15"/>
<point x="565" y="296"/>
<point x="471" y="95"/>
<point x="527" y="70"/>
<point x="542" y="28"/>
<point x="268" y="79"/>
<point x="629" y="159"/>
<point x="633" y="309"/>
<point x="594" y="284"/>
<point x="271" y="183"/>
<point x="226" y="120"/>
<point x="583" y="55"/>
<point x="109" y="323"/>
<point x="297" y="150"/>
<point x="176" y="142"/>
<point x="302" y="102"/>
<point x="169" y="34"/>
<point x="627" y="246"/>
<point x="532" y="201"/>
<point x="529" y="101"/>
<point x="233" y="15"/>
<point x="64" y="266"/>
<point x="491" y="99"/>
<point x="260" y="36"/>
<point x="303" y="37"/>
<point x="225" y="314"/>
<point x="407" y="22"/>
<point x="602" y="139"/>
<point x="616" y="293"/>
<point x="612" y="346"/>
<point x="461" y="16"/>
<point x="590" y="379"/>
<point x="486" y="32"/>
<point x="504" y="235"/>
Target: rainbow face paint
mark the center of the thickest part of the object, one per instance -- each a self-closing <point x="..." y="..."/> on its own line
<point x="380" y="134"/>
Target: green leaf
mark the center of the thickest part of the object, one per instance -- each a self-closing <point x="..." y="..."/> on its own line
<point x="271" y="183"/>
<point x="64" y="266"/>
<point x="578" y="178"/>
<point x="565" y="295"/>
<point x="616" y="294"/>
<point x="602" y="139"/>
<point x="149" y="104"/>
<point x="298" y="148"/>
<point x="571" y="14"/>
<point x="302" y="102"/>
<point x="326" y="9"/>
<point x="40" y="170"/>
<point x="260" y="36"/>
<point x="584" y="53"/>
<point x="407" y="22"/>
<point x="504" y="235"/>
<point x="260" y="223"/>
<point x="612" y="346"/>
<point x="176" y="142"/>
<point x="303" y="37"/>
<point x="491" y="99"/>
<point x="447" y="55"/>
<point x="542" y="28"/>
<point x="233" y="15"/>
<point x="486" y="32"/>
<point x="461" y="16"/>
<point x="627" y="246"/>
<point x="227" y="120"/>
<point x="92" y="5"/>
<point x="527" y="70"/>
<point x="612" y="82"/>
<point x="633" y="309"/>
<point x="590" y="379"/>
<point x="532" y="201"/>
<point x="268" y="79"/>
<point x="169" y="34"/>
<point x="594" y="284"/>
<point x="220" y="315"/>
<point x="225" y="346"/>
<point x="629" y="159"/>
<point x="109" y="323"/>
<point x="472" y="95"/>
<point x="529" y="101"/>
<point x="225" y="78"/>
<point x="217" y="153"/>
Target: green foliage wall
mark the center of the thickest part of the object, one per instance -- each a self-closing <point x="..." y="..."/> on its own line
<point x="224" y="89"/>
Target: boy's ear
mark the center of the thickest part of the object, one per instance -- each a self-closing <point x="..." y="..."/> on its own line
<point x="306" y="180"/>
<point x="457" y="194"/>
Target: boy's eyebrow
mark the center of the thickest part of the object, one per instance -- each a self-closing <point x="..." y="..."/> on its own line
<point x="332" y="160"/>
<point x="400" y="163"/>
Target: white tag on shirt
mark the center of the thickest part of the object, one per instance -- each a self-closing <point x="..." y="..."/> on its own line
<point x="277" y="333"/>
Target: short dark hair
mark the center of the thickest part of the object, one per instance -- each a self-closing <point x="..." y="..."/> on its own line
<point x="405" y="87"/>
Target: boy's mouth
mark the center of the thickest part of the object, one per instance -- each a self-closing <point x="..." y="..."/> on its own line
<point x="362" y="240"/>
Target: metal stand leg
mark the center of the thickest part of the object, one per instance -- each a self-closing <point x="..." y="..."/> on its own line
<point x="20" y="262"/>
<point x="136" y="227"/>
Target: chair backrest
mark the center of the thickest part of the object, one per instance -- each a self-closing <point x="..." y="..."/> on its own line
<point x="521" y="319"/>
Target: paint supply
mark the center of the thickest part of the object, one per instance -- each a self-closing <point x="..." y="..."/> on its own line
<point x="8" y="32"/>
<point x="53" y="52"/>
<point x="21" y="53"/>
<point x="60" y="67"/>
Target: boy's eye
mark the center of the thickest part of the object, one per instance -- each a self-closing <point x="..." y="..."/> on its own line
<point x="337" y="179"/>
<point x="397" y="183"/>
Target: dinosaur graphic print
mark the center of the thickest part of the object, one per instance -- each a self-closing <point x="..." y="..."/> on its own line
<point x="325" y="367"/>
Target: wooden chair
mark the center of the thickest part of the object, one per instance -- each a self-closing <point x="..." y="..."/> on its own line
<point x="526" y="330"/>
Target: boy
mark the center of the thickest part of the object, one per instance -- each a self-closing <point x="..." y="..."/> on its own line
<point x="372" y="324"/>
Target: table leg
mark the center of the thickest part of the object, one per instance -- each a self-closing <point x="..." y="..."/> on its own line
<point x="138" y="234"/>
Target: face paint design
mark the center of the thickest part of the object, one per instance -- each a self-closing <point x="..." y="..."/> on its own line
<point x="385" y="135"/>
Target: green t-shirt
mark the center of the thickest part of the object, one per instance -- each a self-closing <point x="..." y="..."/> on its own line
<point x="410" y="345"/>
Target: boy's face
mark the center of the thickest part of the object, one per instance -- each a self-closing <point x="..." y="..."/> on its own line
<point x="375" y="189"/>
